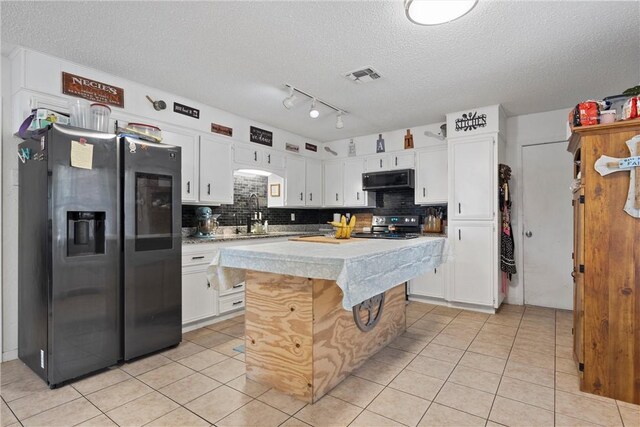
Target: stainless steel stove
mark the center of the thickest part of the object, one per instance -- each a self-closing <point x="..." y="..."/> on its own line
<point x="392" y="227"/>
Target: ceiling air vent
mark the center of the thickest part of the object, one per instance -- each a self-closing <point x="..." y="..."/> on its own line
<point x="364" y="75"/>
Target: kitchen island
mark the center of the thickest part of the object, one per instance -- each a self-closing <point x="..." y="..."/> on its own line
<point x="316" y="312"/>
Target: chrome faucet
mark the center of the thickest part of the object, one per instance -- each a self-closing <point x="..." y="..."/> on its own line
<point x="256" y="219"/>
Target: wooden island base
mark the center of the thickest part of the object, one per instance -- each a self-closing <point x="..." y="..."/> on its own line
<point x="299" y="339"/>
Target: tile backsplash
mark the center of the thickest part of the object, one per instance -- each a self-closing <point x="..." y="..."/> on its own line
<point x="394" y="202"/>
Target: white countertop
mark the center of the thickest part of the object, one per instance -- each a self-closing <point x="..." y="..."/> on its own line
<point x="362" y="268"/>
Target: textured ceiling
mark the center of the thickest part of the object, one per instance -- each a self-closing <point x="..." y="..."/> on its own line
<point x="235" y="55"/>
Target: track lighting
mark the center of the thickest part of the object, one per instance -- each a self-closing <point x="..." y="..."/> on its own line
<point x="288" y="101"/>
<point x="313" y="112"/>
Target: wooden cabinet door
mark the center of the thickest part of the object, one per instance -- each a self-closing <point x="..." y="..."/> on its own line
<point x="216" y="172"/>
<point x="473" y="186"/>
<point x="313" y="183"/>
<point x="474" y="267"/>
<point x="578" y="275"/>
<point x="353" y="194"/>
<point x="431" y="176"/>
<point x="198" y="297"/>
<point x="189" y="154"/>
<point x="295" y="181"/>
<point x="333" y="184"/>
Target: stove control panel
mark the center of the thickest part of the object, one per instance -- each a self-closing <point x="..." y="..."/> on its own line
<point x="413" y="221"/>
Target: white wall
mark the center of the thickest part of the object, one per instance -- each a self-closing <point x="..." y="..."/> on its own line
<point x="529" y="129"/>
<point x="394" y="141"/>
<point x="34" y="74"/>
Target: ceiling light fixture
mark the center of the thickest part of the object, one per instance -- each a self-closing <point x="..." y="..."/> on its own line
<point x="313" y="112"/>
<point x="435" y="12"/>
<point x="288" y="101"/>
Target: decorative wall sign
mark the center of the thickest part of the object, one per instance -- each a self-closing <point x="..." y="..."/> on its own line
<point x="380" y="144"/>
<point x="92" y="90"/>
<point x="471" y="121"/>
<point x="260" y="136"/>
<point x="408" y="140"/>
<point x="222" y="130"/>
<point x="292" y="147"/>
<point x="352" y="148"/>
<point x="311" y="147"/>
<point x="373" y="306"/>
<point x="186" y="110"/>
<point x="606" y="165"/>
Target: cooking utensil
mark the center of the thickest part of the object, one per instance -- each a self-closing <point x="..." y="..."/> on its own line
<point x="157" y="105"/>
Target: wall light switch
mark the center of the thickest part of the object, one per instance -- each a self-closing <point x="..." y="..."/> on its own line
<point x="293" y="217"/>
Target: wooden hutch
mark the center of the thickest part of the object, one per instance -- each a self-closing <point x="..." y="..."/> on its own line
<point x="606" y="266"/>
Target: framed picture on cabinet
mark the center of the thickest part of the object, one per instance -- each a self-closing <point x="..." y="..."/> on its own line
<point x="274" y="190"/>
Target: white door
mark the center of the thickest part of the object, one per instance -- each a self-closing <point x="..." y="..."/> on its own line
<point x="430" y="284"/>
<point x="247" y="155"/>
<point x="431" y="176"/>
<point x="198" y="297"/>
<point x="353" y="194"/>
<point x="333" y="184"/>
<point x="376" y="163"/>
<point x="295" y="175"/>
<point x="474" y="267"/>
<point x="273" y="159"/>
<point x="547" y="222"/>
<point x="402" y="161"/>
<point x="216" y="173"/>
<point x="189" y="155"/>
<point x="473" y="170"/>
<point x="313" y="183"/>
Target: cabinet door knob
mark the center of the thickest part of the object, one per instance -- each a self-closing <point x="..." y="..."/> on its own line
<point x="380" y="162"/>
<point x="188" y="187"/>
<point x="459" y="208"/>
<point x="459" y="234"/>
<point x="336" y="197"/>
<point x="255" y="156"/>
<point x="301" y="195"/>
<point x="396" y="160"/>
<point x="269" y="158"/>
<point x="528" y="234"/>
<point x="209" y="189"/>
<point x="424" y="192"/>
<point x="208" y="284"/>
<point x="311" y="197"/>
<point x="357" y="195"/>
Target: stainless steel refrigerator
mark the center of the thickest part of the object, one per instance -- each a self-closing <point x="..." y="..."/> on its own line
<point x="99" y="251"/>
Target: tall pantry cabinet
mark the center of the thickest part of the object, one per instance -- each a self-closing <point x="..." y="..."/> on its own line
<point x="606" y="264"/>
<point x="476" y="148"/>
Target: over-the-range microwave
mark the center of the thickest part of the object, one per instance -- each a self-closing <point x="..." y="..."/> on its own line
<point x="398" y="179"/>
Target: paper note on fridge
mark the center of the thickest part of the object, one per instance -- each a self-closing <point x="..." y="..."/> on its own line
<point x="81" y="155"/>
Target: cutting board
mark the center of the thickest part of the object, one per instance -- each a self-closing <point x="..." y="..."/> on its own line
<point x="362" y="220"/>
<point x="322" y="239"/>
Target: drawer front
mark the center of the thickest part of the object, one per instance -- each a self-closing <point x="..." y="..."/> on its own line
<point x="236" y="289"/>
<point x="197" y="258"/>
<point x="231" y="302"/>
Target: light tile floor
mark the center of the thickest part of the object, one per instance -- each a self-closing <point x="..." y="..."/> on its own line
<point x="451" y="367"/>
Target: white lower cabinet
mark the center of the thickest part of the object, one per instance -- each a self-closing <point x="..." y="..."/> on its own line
<point x="199" y="299"/>
<point x="431" y="284"/>
<point x="474" y="267"/>
<point x="231" y="302"/>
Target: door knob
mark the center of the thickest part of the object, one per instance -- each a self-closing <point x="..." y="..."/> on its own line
<point x="528" y="234"/>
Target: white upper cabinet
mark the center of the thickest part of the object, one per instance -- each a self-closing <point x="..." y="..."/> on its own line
<point x="389" y="161"/>
<point x="295" y="181"/>
<point x="313" y="183"/>
<point x="474" y="265"/>
<point x="353" y="194"/>
<point x="376" y="163"/>
<point x="333" y="183"/>
<point x="189" y="154"/>
<point x="473" y="177"/>
<point x="402" y="160"/>
<point x="216" y="173"/>
<point x="431" y="176"/>
<point x="256" y="157"/>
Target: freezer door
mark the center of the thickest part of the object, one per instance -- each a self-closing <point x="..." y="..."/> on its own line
<point x="152" y="247"/>
<point x="84" y="305"/>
